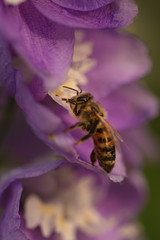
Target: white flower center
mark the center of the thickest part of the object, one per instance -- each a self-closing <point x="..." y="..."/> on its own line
<point x="72" y="209"/>
<point x="81" y="64"/>
<point x="131" y="231"/>
<point x="14" y="2"/>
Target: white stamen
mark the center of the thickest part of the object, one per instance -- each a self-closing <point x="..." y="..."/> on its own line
<point x="131" y="231"/>
<point x="70" y="209"/>
<point x="81" y="64"/>
<point x="14" y="2"/>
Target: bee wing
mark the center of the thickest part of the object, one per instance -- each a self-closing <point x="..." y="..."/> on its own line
<point x="114" y="132"/>
<point x="116" y="135"/>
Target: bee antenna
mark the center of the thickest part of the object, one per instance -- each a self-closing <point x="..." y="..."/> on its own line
<point x="79" y="89"/>
<point x="72" y="89"/>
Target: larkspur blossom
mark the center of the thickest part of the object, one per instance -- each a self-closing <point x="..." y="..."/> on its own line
<point x="42" y="32"/>
<point x="47" y="198"/>
<point x="61" y="199"/>
<point x="50" y="195"/>
<point x="68" y="203"/>
<point x="71" y="202"/>
<point x="105" y="63"/>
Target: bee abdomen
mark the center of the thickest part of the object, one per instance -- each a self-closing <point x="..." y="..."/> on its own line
<point x="106" y="156"/>
<point x="107" y="166"/>
<point x="100" y="129"/>
<point x="106" y="148"/>
<point x="102" y="140"/>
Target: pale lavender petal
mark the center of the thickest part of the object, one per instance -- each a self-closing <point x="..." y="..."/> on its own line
<point x="134" y="190"/>
<point x="82" y="5"/>
<point x="118" y="172"/>
<point x="45" y="45"/>
<point x="7" y="72"/>
<point x="142" y="145"/>
<point x="37" y="114"/>
<point x="10" y="193"/>
<point x="121" y="58"/>
<point x="125" y="199"/>
<point x="129" y="106"/>
<point x="36" y="87"/>
<point x="20" y="139"/>
<point x="84" y="150"/>
<point x="10" y="219"/>
<point x="47" y="125"/>
<point x="117" y="14"/>
<point x="37" y="168"/>
<point x="62" y="143"/>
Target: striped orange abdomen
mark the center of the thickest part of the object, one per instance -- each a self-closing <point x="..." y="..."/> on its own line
<point x="104" y="148"/>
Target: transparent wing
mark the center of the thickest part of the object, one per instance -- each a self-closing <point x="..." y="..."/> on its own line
<point x="114" y="132"/>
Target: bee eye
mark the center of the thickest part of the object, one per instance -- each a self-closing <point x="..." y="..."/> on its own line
<point x="82" y="99"/>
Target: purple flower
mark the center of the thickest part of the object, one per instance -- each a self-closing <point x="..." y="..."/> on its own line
<point x="41" y="33"/>
<point x="70" y="202"/>
<point x="45" y="45"/>
<point x="48" y="198"/>
<point x="107" y="64"/>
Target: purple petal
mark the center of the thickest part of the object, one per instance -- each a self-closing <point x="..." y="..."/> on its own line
<point x="37" y="168"/>
<point x="117" y="14"/>
<point x="118" y="172"/>
<point x="129" y="106"/>
<point x="20" y="139"/>
<point x="84" y="150"/>
<point x="7" y="72"/>
<point x="133" y="190"/>
<point x="121" y="58"/>
<point x="10" y="219"/>
<point x="38" y="115"/>
<point x="125" y="199"/>
<point x="45" y="45"/>
<point x="36" y="87"/>
<point x="141" y="143"/>
<point x="45" y="123"/>
<point x="82" y="5"/>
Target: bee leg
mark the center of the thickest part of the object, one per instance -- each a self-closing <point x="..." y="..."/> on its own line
<point x="78" y="124"/>
<point x="93" y="157"/>
<point x="91" y="132"/>
<point x="86" y="137"/>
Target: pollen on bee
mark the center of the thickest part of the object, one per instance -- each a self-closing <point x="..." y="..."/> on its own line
<point x="51" y="136"/>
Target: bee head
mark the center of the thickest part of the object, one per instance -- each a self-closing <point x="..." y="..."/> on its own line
<point x="78" y="101"/>
<point x="80" y="98"/>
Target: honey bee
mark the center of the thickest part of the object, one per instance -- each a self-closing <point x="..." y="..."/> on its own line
<point x="91" y="118"/>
